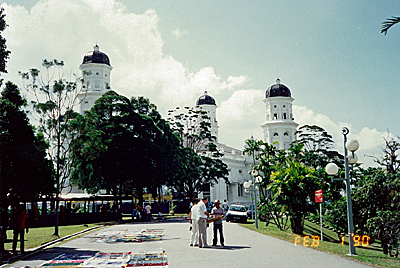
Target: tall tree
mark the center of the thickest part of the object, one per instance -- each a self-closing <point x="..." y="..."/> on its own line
<point x="56" y="98"/>
<point x="200" y="163"/>
<point x="4" y="53"/>
<point x="25" y="173"/>
<point x="318" y="147"/>
<point x="168" y="144"/>
<point x="118" y="149"/>
<point x="390" y="159"/>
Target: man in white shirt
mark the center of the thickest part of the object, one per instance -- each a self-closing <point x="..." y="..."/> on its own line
<point x="148" y="212"/>
<point x="194" y="234"/>
<point x="201" y="222"/>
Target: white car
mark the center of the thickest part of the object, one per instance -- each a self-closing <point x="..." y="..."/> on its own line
<point x="237" y="213"/>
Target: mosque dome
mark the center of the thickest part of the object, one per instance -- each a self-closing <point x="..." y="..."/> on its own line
<point x="278" y="90"/>
<point x="96" y="56"/>
<point x="206" y="99"/>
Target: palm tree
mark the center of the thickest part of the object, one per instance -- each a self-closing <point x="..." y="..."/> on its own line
<point x="386" y="25"/>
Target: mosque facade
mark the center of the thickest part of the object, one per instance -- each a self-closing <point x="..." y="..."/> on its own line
<point x="279" y="127"/>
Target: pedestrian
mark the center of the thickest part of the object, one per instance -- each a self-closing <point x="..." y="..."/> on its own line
<point x="139" y="213"/>
<point x="148" y="212"/>
<point x="134" y="212"/>
<point x="194" y="232"/>
<point x="218" y="211"/>
<point x="20" y="224"/>
<point x="225" y="206"/>
<point x="201" y="222"/>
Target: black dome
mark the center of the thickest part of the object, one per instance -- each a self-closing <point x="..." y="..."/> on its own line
<point x="278" y="90"/>
<point x="206" y="99"/>
<point x="96" y="56"/>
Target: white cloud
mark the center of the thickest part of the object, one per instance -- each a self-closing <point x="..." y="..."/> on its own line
<point x="371" y="140"/>
<point x="66" y="30"/>
<point x="179" y="33"/>
<point x="241" y="116"/>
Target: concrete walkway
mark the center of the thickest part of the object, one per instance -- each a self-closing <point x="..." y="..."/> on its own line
<point x="243" y="248"/>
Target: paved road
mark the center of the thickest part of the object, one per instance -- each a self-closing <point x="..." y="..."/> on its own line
<point x="244" y="248"/>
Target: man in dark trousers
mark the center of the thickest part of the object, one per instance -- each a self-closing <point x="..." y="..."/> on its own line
<point x="218" y="211"/>
<point x="20" y="224"/>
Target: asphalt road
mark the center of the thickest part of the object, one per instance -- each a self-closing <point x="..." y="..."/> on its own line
<point x="243" y="248"/>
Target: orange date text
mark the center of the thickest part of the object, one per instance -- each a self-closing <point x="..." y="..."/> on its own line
<point x="307" y="241"/>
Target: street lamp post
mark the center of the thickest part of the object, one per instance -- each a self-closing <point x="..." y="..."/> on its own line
<point x="251" y="186"/>
<point x="332" y="169"/>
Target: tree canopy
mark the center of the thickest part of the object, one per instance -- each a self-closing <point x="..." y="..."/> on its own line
<point x="4" y="53"/>
<point x="25" y="172"/>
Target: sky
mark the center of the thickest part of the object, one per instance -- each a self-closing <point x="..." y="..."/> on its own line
<point x="340" y="69"/>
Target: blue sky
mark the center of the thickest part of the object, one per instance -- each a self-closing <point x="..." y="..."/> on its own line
<point x="341" y="70"/>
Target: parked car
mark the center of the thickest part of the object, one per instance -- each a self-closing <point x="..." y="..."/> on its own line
<point x="237" y="213"/>
<point x="250" y="211"/>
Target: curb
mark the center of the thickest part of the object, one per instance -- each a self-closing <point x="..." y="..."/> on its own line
<point x="36" y="250"/>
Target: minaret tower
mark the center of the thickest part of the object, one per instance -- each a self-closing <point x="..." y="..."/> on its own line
<point x="96" y="71"/>
<point x="208" y="104"/>
<point x="280" y="126"/>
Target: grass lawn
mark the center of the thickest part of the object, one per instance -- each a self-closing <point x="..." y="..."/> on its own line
<point x="39" y="236"/>
<point x="371" y="255"/>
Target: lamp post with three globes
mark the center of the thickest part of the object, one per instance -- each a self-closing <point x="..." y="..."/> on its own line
<point x="332" y="169"/>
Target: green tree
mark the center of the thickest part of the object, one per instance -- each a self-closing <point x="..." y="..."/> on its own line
<point x="4" y="53"/>
<point x="168" y="144"/>
<point x="293" y="185"/>
<point x="25" y="173"/>
<point x="318" y="147"/>
<point x="390" y="159"/>
<point x="118" y="149"/>
<point x="264" y="158"/>
<point x="198" y="170"/>
<point x="56" y="98"/>
<point x="377" y="206"/>
<point x="200" y="165"/>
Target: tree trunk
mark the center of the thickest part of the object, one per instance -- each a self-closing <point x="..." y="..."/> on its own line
<point x="297" y="224"/>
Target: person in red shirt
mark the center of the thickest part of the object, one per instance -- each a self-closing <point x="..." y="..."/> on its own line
<point x="20" y="224"/>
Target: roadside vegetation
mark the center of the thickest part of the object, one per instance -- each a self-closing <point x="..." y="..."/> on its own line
<point x="370" y="255"/>
<point x="289" y="179"/>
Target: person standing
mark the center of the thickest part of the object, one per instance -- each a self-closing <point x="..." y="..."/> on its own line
<point x="201" y="222"/>
<point x="20" y="224"/>
<point x="218" y="211"/>
<point x="148" y="212"/>
<point x="194" y="232"/>
<point x="225" y="206"/>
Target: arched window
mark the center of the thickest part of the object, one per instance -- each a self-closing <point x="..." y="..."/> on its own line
<point x="276" y="134"/>
<point x="286" y="134"/>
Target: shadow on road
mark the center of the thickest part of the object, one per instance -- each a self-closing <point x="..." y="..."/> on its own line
<point x="229" y="247"/>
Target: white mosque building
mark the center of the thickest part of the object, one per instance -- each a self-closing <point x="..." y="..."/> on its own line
<point x="279" y="128"/>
